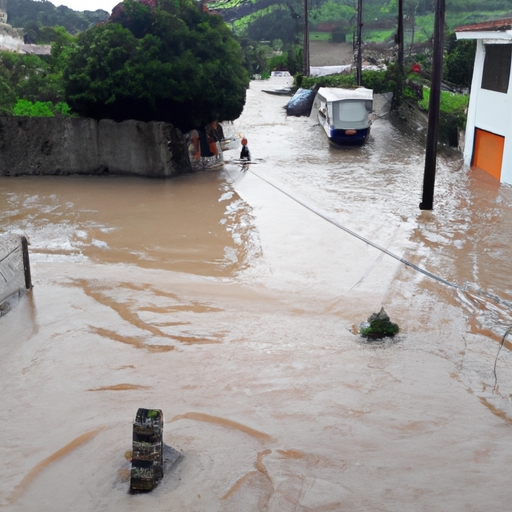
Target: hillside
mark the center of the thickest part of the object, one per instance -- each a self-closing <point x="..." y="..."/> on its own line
<point x="32" y="15"/>
<point x="275" y="19"/>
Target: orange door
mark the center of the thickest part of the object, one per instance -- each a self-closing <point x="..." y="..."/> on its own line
<point x="488" y="152"/>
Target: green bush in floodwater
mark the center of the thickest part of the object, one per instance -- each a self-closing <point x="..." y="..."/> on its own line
<point x="378" y="326"/>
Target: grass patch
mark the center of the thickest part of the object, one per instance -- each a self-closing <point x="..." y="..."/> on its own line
<point x="453" y="114"/>
<point x="378" y="36"/>
<point x="451" y="103"/>
<point x="319" y="36"/>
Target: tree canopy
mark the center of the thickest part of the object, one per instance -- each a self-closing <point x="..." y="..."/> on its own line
<point x="33" y="15"/>
<point x="170" y="63"/>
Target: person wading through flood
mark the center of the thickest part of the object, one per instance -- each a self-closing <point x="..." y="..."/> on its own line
<point x="245" y="154"/>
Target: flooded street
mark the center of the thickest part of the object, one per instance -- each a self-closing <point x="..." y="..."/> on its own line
<point x="230" y="301"/>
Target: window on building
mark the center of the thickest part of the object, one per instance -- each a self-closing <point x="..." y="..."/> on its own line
<point x="497" y="67"/>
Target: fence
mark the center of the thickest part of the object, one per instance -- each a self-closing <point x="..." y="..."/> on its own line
<point x="14" y="266"/>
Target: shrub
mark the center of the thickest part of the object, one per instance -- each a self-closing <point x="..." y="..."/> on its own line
<point x="40" y="109"/>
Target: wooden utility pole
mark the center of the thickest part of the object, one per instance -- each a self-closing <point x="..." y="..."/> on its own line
<point x="306" y="39"/>
<point x="400" y="35"/>
<point x="433" y="109"/>
<point x="359" y="62"/>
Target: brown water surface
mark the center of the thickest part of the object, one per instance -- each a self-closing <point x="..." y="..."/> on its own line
<point x="232" y="300"/>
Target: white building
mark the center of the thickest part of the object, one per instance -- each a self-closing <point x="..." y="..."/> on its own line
<point x="488" y="143"/>
<point x="3" y="16"/>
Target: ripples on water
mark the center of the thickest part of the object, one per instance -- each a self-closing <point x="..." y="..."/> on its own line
<point x="375" y="190"/>
<point x="197" y="224"/>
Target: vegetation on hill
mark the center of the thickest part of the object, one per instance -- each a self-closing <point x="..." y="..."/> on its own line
<point x="31" y="78"/>
<point x="174" y="62"/>
<point x="33" y="16"/>
<point x="169" y="63"/>
<point x="263" y="21"/>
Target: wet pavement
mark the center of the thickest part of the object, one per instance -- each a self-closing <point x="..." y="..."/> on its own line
<point x="230" y="300"/>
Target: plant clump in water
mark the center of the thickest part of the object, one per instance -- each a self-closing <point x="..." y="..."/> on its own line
<point x="378" y="326"/>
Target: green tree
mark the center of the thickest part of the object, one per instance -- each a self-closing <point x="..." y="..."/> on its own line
<point x="184" y="67"/>
<point x="332" y="11"/>
<point x="30" y="78"/>
<point x="278" y="22"/>
<point x="7" y="96"/>
<point x="459" y="62"/>
<point x="44" y="14"/>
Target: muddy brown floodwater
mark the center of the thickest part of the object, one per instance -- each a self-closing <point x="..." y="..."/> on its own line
<point x="230" y="300"/>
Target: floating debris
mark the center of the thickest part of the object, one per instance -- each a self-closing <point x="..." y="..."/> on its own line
<point x="378" y="326"/>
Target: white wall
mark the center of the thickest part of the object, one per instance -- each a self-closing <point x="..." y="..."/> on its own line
<point x="490" y="111"/>
<point x="10" y="43"/>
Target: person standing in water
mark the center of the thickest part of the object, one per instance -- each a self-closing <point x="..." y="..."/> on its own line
<point x="245" y="154"/>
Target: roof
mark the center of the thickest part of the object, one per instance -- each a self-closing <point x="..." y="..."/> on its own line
<point x="501" y="28"/>
<point x="337" y="94"/>
<point x="37" y="49"/>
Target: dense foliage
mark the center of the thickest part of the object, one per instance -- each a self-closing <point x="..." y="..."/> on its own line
<point x="166" y="60"/>
<point x="459" y="59"/>
<point x="173" y="63"/>
<point x="34" y="79"/>
<point x="33" y="15"/>
<point x="333" y="20"/>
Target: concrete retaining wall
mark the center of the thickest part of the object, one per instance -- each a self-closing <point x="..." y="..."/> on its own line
<point x="61" y="146"/>
<point x="417" y="119"/>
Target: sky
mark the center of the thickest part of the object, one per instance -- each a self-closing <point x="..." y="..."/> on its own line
<point x="87" y="5"/>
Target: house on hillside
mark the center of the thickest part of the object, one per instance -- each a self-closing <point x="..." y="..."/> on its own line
<point x="3" y="16"/>
<point x="488" y="143"/>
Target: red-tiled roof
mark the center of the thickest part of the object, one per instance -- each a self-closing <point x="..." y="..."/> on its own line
<point x="488" y="26"/>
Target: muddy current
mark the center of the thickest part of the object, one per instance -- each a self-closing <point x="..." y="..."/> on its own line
<point x="231" y="299"/>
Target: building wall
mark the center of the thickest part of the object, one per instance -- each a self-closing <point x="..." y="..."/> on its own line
<point x="8" y="42"/>
<point x="490" y="111"/>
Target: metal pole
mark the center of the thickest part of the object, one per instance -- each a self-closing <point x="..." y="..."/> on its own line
<point x="306" y="39"/>
<point x="359" y="63"/>
<point x="433" y="112"/>
<point x="26" y="263"/>
<point x="400" y="34"/>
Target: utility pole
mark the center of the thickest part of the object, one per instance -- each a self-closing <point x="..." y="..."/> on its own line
<point x="433" y="109"/>
<point x="306" y="38"/>
<point x="359" y="62"/>
<point x="400" y="35"/>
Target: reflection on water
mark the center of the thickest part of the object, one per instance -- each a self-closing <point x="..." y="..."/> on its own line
<point x="188" y="224"/>
<point x="375" y="190"/>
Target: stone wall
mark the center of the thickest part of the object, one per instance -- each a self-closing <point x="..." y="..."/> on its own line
<point x="63" y="145"/>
